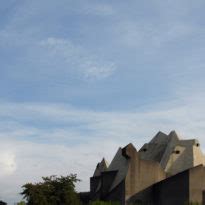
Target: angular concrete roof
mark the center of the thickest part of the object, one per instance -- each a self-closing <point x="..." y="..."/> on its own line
<point x="172" y="153"/>
<point x="167" y="150"/>
<point x="156" y="148"/>
<point x="160" y="138"/>
<point x="120" y="164"/>
<point x="101" y="167"/>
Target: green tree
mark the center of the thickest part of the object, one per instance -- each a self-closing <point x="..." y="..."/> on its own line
<point x="21" y="203"/>
<point x="104" y="203"/>
<point x="52" y="191"/>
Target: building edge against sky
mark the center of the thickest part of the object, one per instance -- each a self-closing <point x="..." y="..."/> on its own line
<point x="167" y="170"/>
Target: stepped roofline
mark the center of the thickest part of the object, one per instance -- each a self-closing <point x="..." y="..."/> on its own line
<point x="162" y="138"/>
<point x="166" y="156"/>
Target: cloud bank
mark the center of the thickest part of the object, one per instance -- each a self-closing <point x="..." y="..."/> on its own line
<point x="62" y="139"/>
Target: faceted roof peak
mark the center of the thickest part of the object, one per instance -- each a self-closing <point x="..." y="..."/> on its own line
<point x="101" y="167"/>
<point x="174" y="134"/>
<point x="159" y="138"/>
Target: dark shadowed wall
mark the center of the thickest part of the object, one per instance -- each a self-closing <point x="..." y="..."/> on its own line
<point x="173" y="190"/>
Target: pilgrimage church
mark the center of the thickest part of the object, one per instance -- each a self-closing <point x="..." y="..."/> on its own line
<point x="166" y="171"/>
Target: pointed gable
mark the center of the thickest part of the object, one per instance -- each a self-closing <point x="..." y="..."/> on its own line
<point x="101" y="167"/>
<point x="120" y="164"/>
<point x="160" y="138"/>
<point x="155" y="149"/>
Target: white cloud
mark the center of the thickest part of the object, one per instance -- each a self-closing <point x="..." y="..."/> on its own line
<point x="33" y="160"/>
<point x="78" y="59"/>
<point x="7" y="163"/>
<point x="70" y="140"/>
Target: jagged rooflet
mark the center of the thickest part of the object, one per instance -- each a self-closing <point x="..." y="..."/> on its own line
<point x="101" y="167"/>
<point x="163" y="149"/>
<point x="162" y="138"/>
<point x="120" y="164"/>
<point x="132" y="171"/>
<point x="157" y="147"/>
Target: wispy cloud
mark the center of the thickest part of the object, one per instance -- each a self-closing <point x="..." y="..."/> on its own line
<point x="7" y="163"/>
<point x="61" y="142"/>
<point x="99" y="9"/>
<point x="77" y="58"/>
<point x="140" y="35"/>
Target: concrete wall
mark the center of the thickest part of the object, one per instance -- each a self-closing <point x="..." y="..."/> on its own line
<point x="172" y="191"/>
<point x="196" y="183"/>
<point x="198" y="155"/>
<point x="181" y="158"/>
<point x="141" y="173"/>
<point x="130" y="176"/>
<point x="95" y="183"/>
<point x="185" y="155"/>
<point x="150" y="173"/>
<point x="100" y="185"/>
<point x="106" y="181"/>
<point x="177" y="162"/>
<point x="180" y="189"/>
<point x="117" y="194"/>
<point x="144" y="197"/>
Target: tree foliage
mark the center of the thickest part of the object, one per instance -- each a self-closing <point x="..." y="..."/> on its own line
<point x="21" y="203"/>
<point x="104" y="203"/>
<point x="52" y="191"/>
<point x="3" y="203"/>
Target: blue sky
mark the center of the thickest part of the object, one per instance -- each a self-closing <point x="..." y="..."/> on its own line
<point x="79" y="78"/>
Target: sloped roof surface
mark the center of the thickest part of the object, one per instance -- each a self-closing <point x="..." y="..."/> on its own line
<point x="173" y="141"/>
<point x="162" y="147"/>
<point x="173" y="154"/>
<point x="120" y="164"/>
<point x="101" y="167"/>
<point x="157" y="147"/>
<point x="160" y="138"/>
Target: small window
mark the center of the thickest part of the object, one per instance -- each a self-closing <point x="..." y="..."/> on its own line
<point x="177" y="152"/>
<point x="143" y="150"/>
<point x="197" y="144"/>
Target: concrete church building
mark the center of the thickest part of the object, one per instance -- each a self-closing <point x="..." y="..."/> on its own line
<point x="165" y="171"/>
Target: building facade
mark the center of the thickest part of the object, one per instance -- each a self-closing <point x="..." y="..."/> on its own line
<point x="165" y="171"/>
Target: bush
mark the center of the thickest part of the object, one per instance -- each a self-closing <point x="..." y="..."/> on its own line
<point x="52" y="191"/>
<point x="104" y="203"/>
<point x="21" y="203"/>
